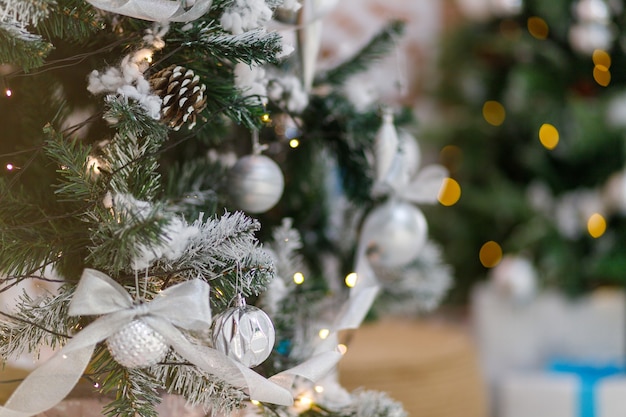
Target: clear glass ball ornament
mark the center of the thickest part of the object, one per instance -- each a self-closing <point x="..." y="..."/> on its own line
<point x="244" y="333"/>
<point x="255" y="183"/>
<point x="394" y="233"/>
<point x="137" y="345"/>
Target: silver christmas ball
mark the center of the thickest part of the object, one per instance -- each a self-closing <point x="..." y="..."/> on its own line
<point x="394" y="233"/>
<point x="255" y="183"/>
<point x="137" y="345"/>
<point x="595" y="11"/>
<point x="587" y="37"/>
<point x="245" y="334"/>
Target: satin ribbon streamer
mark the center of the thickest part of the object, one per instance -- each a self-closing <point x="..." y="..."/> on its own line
<point x="183" y="306"/>
<point x="155" y="10"/>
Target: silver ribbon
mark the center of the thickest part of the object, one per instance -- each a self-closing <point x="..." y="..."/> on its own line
<point x="183" y="306"/>
<point x="155" y="10"/>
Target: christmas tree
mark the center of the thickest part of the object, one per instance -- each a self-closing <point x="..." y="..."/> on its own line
<point x="532" y="96"/>
<point x="130" y="149"/>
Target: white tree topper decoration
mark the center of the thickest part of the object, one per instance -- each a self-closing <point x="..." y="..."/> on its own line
<point x="156" y="10"/>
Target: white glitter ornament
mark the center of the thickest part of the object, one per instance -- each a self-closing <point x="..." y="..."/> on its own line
<point x="394" y="233"/>
<point x="255" y="183"/>
<point x="137" y="345"/>
<point x="244" y="333"/>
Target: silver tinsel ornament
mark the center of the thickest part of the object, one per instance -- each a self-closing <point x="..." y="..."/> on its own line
<point x="137" y="345"/>
<point x="394" y="233"/>
<point x="244" y="333"/>
<point x="255" y="183"/>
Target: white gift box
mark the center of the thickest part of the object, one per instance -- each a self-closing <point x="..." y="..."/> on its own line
<point x="559" y="395"/>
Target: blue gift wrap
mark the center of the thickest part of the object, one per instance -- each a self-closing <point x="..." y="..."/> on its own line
<point x="589" y="375"/>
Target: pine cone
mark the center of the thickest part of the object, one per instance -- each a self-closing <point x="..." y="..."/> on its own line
<point x="182" y="95"/>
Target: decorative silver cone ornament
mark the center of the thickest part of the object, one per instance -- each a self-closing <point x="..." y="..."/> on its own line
<point x="255" y="183"/>
<point x="244" y="333"/>
<point x="394" y="233"/>
<point x="137" y="345"/>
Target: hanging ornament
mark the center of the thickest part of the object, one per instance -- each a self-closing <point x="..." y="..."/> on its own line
<point x="244" y="333"/>
<point x="255" y="182"/>
<point x="394" y="233"/>
<point x="182" y="94"/>
<point x="386" y="148"/>
<point x="137" y="345"/>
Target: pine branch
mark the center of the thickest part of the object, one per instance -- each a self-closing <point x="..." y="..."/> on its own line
<point x="254" y="47"/>
<point x="225" y="252"/>
<point x="71" y="20"/>
<point x="136" y="391"/>
<point x="379" y="46"/>
<point x="22" y="48"/>
<point x="37" y="323"/>
<point x="199" y="388"/>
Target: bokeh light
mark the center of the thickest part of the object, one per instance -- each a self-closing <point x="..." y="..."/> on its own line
<point x="450" y="192"/>
<point x="596" y="225"/>
<point x="351" y="279"/>
<point x="494" y="113"/>
<point x="602" y="75"/>
<point x="601" y="59"/>
<point x="294" y="143"/>
<point x="324" y="333"/>
<point x="549" y="136"/>
<point x="490" y="254"/>
<point x="298" y="278"/>
<point x="537" y="27"/>
<point x="451" y="156"/>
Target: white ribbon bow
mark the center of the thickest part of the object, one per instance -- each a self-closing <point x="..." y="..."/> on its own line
<point x="185" y="306"/>
<point x="155" y="10"/>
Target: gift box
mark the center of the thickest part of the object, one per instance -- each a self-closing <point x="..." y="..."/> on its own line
<point x="579" y="391"/>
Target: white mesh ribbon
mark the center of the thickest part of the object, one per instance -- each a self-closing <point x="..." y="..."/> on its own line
<point x="183" y="306"/>
<point x="155" y="10"/>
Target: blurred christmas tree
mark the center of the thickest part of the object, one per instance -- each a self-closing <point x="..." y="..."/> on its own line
<point x="127" y="147"/>
<point x="532" y="96"/>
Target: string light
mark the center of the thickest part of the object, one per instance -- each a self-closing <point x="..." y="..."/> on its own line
<point x="294" y="143"/>
<point x="319" y="389"/>
<point x="537" y="27"/>
<point x="10" y="167"/>
<point x="549" y="136"/>
<point x="324" y="333"/>
<point x="351" y="279"/>
<point x="449" y="193"/>
<point x="596" y="225"/>
<point x="342" y="348"/>
<point x="305" y="401"/>
<point x="8" y="92"/>
<point x="494" y="113"/>
<point x="298" y="278"/>
<point x="490" y="254"/>
<point x="96" y="385"/>
<point x="266" y="118"/>
<point x="255" y="402"/>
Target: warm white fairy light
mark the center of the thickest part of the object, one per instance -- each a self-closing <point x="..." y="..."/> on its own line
<point x="8" y="92"/>
<point x="294" y="143"/>
<point x="351" y="279"/>
<point x="342" y="348"/>
<point x="298" y="278"/>
<point x="323" y="333"/>
<point x="255" y="402"/>
<point x="10" y="167"/>
<point x="305" y="401"/>
<point x="96" y="385"/>
<point x="319" y="389"/>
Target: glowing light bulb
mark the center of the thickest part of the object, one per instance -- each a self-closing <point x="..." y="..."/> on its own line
<point x="319" y="389"/>
<point x="596" y="225"/>
<point x="10" y="167"/>
<point x="342" y="348"/>
<point x="96" y="385"/>
<point x="490" y="254"/>
<point x="351" y="279"/>
<point x="294" y="143"/>
<point x="298" y="278"/>
<point x="266" y="118"/>
<point x="549" y="136"/>
<point x="324" y="333"/>
<point x="255" y="402"/>
<point x="8" y="92"/>
<point x="305" y="401"/>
